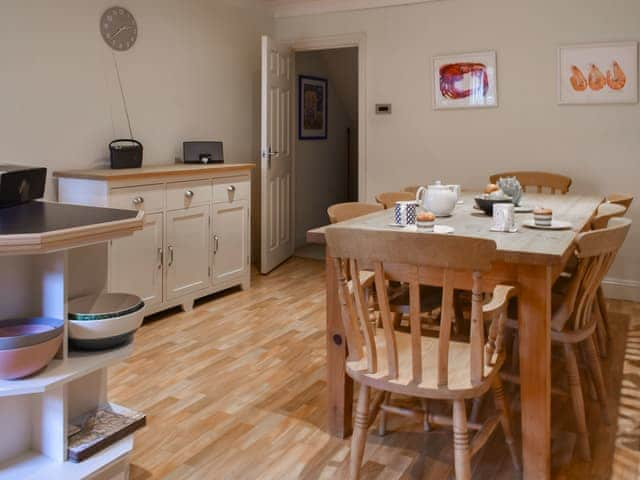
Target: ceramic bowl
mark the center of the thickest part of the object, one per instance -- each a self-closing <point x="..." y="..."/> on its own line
<point x="106" y="305"/>
<point x="25" y="332"/>
<point x="21" y="362"/>
<point x="486" y="204"/>
<point x="105" y="332"/>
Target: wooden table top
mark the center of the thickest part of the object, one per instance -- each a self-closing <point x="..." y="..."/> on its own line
<point x="526" y="246"/>
<point x="151" y="171"/>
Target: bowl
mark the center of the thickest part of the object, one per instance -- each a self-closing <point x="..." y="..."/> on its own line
<point x="28" y="345"/>
<point x="486" y="204"/>
<point x="107" y="330"/>
<point x="106" y="305"/>
<point x="25" y="332"/>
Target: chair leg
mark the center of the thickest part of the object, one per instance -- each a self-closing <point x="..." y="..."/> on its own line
<point x="577" y="400"/>
<point x="382" y="425"/>
<point x="425" y="421"/>
<point x="476" y="406"/>
<point x="359" y="433"/>
<point x="461" y="451"/>
<point x="601" y="336"/>
<point x="505" y="419"/>
<point x="604" y="313"/>
<point x="515" y="352"/>
<point x="596" y="374"/>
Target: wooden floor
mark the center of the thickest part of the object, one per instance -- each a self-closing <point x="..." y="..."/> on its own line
<point x="236" y="389"/>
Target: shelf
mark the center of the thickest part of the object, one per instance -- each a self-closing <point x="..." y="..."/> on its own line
<point x="63" y="371"/>
<point x="32" y="466"/>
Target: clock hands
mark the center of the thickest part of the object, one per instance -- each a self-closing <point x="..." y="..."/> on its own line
<point x="119" y="31"/>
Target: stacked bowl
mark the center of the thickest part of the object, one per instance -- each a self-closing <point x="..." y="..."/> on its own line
<point x="27" y="345"/>
<point x="109" y="320"/>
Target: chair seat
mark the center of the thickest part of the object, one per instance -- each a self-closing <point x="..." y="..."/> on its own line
<point x="459" y="368"/>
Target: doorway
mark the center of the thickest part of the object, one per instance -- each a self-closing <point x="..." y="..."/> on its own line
<point x="326" y="166"/>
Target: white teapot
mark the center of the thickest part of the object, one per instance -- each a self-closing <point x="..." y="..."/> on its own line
<point x="438" y="198"/>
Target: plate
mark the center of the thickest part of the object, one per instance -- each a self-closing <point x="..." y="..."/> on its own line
<point x="555" y="225"/>
<point x="436" y="228"/>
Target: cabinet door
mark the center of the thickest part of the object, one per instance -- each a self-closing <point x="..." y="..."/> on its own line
<point x="230" y="234"/>
<point x="135" y="262"/>
<point x="187" y="252"/>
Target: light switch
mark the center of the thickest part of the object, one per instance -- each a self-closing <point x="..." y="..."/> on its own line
<point x="383" y="109"/>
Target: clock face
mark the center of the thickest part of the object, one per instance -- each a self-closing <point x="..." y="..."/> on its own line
<point x="118" y="28"/>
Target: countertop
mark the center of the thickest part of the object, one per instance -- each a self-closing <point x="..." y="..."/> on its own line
<point x="151" y="171"/>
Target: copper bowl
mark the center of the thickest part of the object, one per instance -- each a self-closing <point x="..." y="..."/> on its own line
<point x="28" y="345"/>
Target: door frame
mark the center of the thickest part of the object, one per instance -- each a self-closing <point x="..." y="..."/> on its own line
<point x="306" y="44"/>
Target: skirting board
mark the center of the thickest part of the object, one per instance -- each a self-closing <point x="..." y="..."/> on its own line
<point x="621" y="289"/>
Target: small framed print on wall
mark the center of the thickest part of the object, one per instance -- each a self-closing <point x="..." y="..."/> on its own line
<point x="598" y="73"/>
<point x="467" y="80"/>
<point x="313" y="108"/>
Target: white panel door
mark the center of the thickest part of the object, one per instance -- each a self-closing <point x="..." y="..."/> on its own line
<point x="187" y="252"/>
<point x="276" y="163"/>
<point x="135" y="262"/>
<point x="230" y="234"/>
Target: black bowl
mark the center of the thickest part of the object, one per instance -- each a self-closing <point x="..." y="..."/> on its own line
<point x="486" y="204"/>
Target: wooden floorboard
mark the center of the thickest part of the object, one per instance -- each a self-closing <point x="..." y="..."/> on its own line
<point x="236" y="389"/>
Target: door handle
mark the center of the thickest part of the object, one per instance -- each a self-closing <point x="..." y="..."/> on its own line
<point x="170" y="248"/>
<point x="231" y="188"/>
<point x="160" y="257"/>
<point x="189" y="194"/>
<point x="138" y="200"/>
<point x="216" y="244"/>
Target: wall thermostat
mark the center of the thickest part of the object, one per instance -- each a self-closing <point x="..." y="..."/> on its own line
<point x="383" y="108"/>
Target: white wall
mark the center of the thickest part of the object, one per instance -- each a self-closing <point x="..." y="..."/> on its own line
<point x="321" y="165"/>
<point x="598" y="146"/>
<point x="193" y="74"/>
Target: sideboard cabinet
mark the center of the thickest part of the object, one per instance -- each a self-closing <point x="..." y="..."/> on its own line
<point x="197" y="228"/>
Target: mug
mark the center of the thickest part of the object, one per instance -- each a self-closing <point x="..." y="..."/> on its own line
<point x="504" y="218"/>
<point x="405" y="213"/>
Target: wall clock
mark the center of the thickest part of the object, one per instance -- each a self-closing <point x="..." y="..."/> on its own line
<point x="119" y="28"/>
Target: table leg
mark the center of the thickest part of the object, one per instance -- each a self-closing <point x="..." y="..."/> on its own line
<point x="534" y="302"/>
<point x="339" y="384"/>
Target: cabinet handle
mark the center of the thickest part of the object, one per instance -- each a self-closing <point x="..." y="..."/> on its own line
<point x="216" y="243"/>
<point x="138" y="200"/>
<point x="189" y="193"/>
<point x="231" y="188"/>
<point x="170" y="248"/>
<point x="160" y="257"/>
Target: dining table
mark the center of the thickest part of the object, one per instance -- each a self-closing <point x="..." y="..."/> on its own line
<point x="530" y="258"/>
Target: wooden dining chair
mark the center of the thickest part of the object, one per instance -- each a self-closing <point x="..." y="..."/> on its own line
<point x="389" y="199"/>
<point x="411" y="189"/>
<point x="620" y="199"/>
<point x="340" y="212"/>
<point x="605" y="212"/>
<point x="388" y="360"/>
<point x="541" y="180"/>
<point x="575" y="316"/>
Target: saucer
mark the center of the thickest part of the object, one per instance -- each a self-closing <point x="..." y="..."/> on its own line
<point x="523" y="209"/>
<point x="555" y="225"/>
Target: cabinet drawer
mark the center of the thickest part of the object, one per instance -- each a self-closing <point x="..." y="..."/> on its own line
<point x="187" y="194"/>
<point x="230" y="191"/>
<point x="148" y="198"/>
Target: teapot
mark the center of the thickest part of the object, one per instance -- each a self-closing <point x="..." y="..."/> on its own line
<point x="438" y="198"/>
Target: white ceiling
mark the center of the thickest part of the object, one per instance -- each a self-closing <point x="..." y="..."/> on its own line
<point x="293" y="8"/>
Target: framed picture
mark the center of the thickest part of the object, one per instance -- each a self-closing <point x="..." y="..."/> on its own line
<point x="467" y="80"/>
<point x="598" y="73"/>
<point x="314" y="108"/>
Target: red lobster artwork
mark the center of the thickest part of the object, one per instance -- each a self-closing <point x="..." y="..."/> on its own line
<point x="453" y="73"/>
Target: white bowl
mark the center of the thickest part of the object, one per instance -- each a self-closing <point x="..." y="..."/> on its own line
<point x="105" y="333"/>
